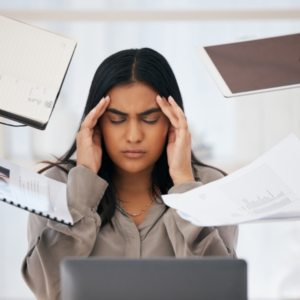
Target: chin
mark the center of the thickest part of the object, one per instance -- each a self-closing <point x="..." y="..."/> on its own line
<point x="134" y="165"/>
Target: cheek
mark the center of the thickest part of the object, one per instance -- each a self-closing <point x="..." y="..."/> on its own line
<point x="164" y="127"/>
<point x="162" y="131"/>
<point x="158" y="138"/>
<point x="110" y="137"/>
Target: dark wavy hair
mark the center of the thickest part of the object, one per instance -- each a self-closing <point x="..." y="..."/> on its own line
<point x="121" y="69"/>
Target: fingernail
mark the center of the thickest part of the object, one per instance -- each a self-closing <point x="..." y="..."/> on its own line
<point x="93" y="110"/>
<point x="159" y="98"/>
<point x="107" y="97"/>
<point x="101" y="99"/>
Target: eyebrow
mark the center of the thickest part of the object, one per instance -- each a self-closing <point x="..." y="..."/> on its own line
<point x="147" y="112"/>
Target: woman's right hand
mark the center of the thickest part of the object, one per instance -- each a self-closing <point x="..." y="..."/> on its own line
<point x="88" y="139"/>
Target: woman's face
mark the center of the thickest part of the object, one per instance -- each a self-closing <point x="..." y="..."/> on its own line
<point x="134" y="128"/>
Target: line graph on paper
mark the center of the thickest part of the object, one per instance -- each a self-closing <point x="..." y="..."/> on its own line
<point x="261" y="191"/>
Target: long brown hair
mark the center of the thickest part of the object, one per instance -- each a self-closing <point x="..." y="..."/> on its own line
<point x="124" y="68"/>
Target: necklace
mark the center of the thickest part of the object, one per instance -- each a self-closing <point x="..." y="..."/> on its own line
<point x="138" y="214"/>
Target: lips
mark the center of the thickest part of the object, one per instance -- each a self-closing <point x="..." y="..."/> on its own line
<point x="134" y="153"/>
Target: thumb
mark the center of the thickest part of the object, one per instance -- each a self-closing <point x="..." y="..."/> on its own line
<point x="171" y="134"/>
<point x="97" y="135"/>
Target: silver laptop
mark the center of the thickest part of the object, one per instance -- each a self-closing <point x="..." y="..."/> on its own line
<point x="153" y="279"/>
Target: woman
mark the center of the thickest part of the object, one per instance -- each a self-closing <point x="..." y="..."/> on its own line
<point x="133" y="146"/>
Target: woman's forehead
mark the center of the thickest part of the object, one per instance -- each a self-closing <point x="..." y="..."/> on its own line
<point x="136" y="97"/>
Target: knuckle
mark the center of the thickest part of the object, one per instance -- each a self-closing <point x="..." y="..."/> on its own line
<point x="83" y="125"/>
<point x="85" y="131"/>
<point x="183" y="114"/>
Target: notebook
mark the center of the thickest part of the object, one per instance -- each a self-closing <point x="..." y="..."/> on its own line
<point x="33" y="65"/>
<point x="34" y="192"/>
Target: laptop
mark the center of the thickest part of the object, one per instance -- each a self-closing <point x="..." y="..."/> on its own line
<point x="153" y="279"/>
<point x="254" y="66"/>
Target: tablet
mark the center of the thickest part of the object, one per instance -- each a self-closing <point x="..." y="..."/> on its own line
<point x="254" y="66"/>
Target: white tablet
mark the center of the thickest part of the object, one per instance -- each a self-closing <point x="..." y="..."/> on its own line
<point x="254" y="66"/>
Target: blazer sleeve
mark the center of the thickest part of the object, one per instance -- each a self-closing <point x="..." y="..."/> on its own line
<point x="49" y="241"/>
<point x="190" y="240"/>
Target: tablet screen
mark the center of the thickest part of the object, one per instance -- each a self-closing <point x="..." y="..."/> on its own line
<point x="258" y="64"/>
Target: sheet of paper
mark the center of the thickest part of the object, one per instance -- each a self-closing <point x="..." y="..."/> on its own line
<point x="32" y="66"/>
<point x="33" y="191"/>
<point x="267" y="189"/>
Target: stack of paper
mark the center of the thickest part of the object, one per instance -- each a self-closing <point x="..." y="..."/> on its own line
<point x="266" y="190"/>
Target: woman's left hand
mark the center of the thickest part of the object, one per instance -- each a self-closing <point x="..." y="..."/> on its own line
<point x="179" y="142"/>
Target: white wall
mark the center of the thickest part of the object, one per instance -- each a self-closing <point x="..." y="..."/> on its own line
<point x="262" y="120"/>
<point x="238" y="130"/>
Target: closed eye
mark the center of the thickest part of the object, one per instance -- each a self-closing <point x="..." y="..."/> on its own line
<point x="150" y="122"/>
<point x="146" y="121"/>
<point x="117" y="122"/>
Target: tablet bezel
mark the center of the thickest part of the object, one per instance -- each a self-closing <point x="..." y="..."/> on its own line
<point x="222" y="85"/>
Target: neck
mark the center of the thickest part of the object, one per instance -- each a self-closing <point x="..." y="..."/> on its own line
<point x="133" y="183"/>
<point x="133" y="189"/>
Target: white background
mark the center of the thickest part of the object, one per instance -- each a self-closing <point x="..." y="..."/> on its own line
<point x="235" y="131"/>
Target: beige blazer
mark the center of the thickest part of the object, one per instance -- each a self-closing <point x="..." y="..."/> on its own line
<point x="162" y="233"/>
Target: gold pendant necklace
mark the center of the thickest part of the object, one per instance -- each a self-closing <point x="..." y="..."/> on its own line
<point x="138" y="214"/>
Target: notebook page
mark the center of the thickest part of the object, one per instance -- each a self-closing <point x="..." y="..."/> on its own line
<point x="34" y="191"/>
<point x="33" y="63"/>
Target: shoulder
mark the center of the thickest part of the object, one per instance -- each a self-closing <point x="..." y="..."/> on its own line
<point x="58" y="174"/>
<point x="208" y="174"/>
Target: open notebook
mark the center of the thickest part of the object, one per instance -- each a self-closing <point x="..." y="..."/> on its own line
<point x="34" y="192"/>
<point x="33" y="65"/>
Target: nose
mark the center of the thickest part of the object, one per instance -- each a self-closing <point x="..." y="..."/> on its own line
<point x="134" y="133"/>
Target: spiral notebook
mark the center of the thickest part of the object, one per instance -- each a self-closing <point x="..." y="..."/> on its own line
<point x="33" y="65"/>
<point x="34" y="192"/>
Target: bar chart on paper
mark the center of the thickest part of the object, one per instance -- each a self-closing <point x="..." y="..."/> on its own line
<point x="266" y="190"/>
<point x="260" y="191"/>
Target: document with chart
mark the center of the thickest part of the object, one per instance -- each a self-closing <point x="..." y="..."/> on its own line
<point x="33" y="65"/>
<point x="33" y="192"/>
<point x="268" y="189"/>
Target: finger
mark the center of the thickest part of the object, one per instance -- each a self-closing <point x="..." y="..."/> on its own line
<point x="89" y="124"/>
<point x="91" y="119"/>
<point x="171" y="134"/>
<point x="97" y="129"/>
<point x="182" y="120"/>
<point x="182" y="133"/>
<point x="97" y="135"/>
<point x="92" y="115"/>
<point x="83" y="134"/>
<point x="168" y="110"/>
<point x="100" y="109"/>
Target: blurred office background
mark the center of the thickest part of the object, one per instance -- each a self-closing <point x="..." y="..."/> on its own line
<point x="228" y="133"/>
